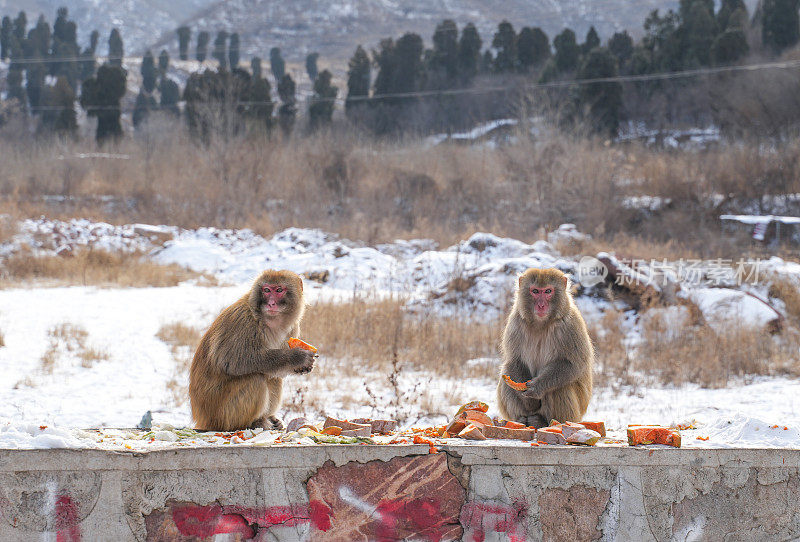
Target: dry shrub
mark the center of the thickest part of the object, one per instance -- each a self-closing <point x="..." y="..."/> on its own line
<point x="381" y="333"/>
<point x="712" y="358"/>
<point x="94" y="267"/>
<point x="787" y="291"/>
<point x="2" y="339"/>
<point x="69" y="338"/>
<point x="182" y="340"/>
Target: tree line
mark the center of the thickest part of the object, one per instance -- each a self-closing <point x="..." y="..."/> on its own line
<point x="398" y="86"/>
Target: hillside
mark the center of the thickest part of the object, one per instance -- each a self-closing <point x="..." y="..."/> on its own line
<point x="331" y="28"/>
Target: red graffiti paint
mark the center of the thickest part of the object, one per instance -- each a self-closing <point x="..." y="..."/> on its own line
<point x="479" y="518"/>
<point x="67" y="520"/>
<point x="320" y="516"/>
<point x="206" y="521"/>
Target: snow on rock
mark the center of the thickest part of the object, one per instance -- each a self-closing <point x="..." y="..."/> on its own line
<point x="722" y="307"/>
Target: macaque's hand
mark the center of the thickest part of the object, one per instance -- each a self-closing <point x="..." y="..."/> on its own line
<point x="533" y="391"/>
<point x="302" y="360"/>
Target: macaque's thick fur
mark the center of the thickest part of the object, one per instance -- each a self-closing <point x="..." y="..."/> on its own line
<point x="555" y="352"/>
<point x="236" y="378"/>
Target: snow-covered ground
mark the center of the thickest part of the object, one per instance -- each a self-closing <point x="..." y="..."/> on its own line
<point x="131" y="372"/>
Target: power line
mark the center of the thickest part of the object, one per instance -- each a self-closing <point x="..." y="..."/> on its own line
<point x="789" y="64"/>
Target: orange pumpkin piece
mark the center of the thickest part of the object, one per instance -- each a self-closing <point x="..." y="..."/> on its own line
<point x="476" y="416"/>
<point x="519" y="386"/>
<point x="473" y="405"/>
<point x="653" y="434"/>
<point x="332" y="430"/>
<point x="515" y="425"/>
<point x="297" y="343"/>
<point x="600" y="427"/>
<point x="472" y="432"/>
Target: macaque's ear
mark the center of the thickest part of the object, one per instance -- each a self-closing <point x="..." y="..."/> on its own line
<point x="301" y="283"/>
<point x="520" y="281"/>
<point x="565" y="281"/>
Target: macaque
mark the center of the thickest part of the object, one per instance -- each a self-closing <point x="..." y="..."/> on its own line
<point x="236" y="378"/>
<point x="545" y="342"/>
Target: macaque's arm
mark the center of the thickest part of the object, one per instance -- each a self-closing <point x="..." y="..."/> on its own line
<point x="555" y="375"/>
<point x="238" y="360"/>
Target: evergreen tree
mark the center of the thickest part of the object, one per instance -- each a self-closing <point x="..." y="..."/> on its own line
<point x="15" y="69"/>
<point x="592" y="41"/>
<point x="288" y="109"/>
<point x="602" y="102"/>
<point x="277" y="65"/>
<point x="260" y="96"/>
<point x="88" y="64"/>
<point x="487" y="62"/>
<point x="780" y="24"/>
<point x="358" y="81"/>
<point x="726" y="9"/>
<point x="533" y="48"/>
<point x="163" y="62"/>
<point x="409" y="72"/>
<point x="663" y="41"/>
<point x="184" y="35"/>
<point x="621" y="46"/>
<point x="65" y="49"/>
<point x="202" y="46"/>
<point x="116" y="50"/>
<point x="148" y="73"/>
<point x="386" y="61"/>
<point x="505" y="43"/>
<point x="5" y="37"/>
<point x="141" y="110"/>
<point x="699" y="28"/>
<point x="469" y="52"/>
<point x="20" y="27"/>
<point x="729" y="47"/>
<point x="234" y="50"/>
<point x="567" y="51"/>
<point x="39" y="39"/>
<point x="60" y="116"/>
<point x="445" y="58"/>
<point x="170" y="95"/>
<point x="100" y="97"/>
<point x="320" y="110"/>
<point x="255" y="67"/>
<point x="219" y="52"/>
<point x="311" y="66"/>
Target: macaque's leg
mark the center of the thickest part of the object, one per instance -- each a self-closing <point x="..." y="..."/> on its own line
<point x="514" y="406"/>
<point x="275" y="390"/>
<point x="562" y="405"/>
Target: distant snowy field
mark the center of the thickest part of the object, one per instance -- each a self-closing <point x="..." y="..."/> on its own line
<point x="122" y="323"/>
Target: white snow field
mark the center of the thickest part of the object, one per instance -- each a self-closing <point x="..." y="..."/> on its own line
<point x="41" y="409"/>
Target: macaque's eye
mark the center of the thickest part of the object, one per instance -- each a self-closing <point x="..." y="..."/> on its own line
<point x="548" y="291"/>
<point x="266" y="290"/>
<point x="534" y="291"/>
<point x="279" y="289"/>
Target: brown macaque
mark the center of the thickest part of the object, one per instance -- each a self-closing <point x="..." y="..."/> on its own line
<point x="545" y="341"/>
<point x="236" y="379"/>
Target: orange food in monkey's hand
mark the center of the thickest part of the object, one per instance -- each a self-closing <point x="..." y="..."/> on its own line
<point x="519" y="386"/>
<point x="297" y="343"/>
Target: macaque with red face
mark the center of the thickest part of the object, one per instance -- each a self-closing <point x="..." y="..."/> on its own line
<point x="545" y="343"/>
<point x="236" y="378"/>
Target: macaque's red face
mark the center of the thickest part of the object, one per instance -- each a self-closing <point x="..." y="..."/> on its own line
<point x="541" y="296"/>
<point x="273" y="295"/>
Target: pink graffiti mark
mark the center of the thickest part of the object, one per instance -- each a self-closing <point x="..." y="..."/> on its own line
<point x="207" y="521"/>
<point x="67" y="520"/>
<point x="479" y="518"/>
<point x="423" y="514"/>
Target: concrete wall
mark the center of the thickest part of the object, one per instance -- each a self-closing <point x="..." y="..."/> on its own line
<point x="470" y="492"/>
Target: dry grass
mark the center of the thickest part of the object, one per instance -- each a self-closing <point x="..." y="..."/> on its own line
<point x="381" y="333"/>
<point x="2" y="339"/>
<point x="70" y="339"/>
<point x="93" y="267"/>
<point x="381" y="190"/>
<point x="182" y="340"/>
<point x="788" y="292"/>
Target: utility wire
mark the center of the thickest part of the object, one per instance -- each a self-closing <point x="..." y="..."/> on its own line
<point x="784" y="65"/>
